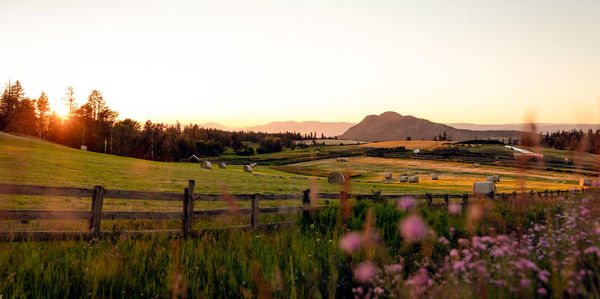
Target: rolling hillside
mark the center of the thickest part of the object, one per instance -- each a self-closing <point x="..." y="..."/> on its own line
<point x="390" y="126"/>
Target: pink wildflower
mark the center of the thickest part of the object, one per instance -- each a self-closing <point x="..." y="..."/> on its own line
<point x="365" y="272"/>
<point x="406" y="203"/>
<point x="444" y="241"/>
<point x="351" y="242"/>
<point x="454" y="209"/>
<point x="525" y="282"/>
<point x="542" y="291"/>
<point x="413" y="229"/>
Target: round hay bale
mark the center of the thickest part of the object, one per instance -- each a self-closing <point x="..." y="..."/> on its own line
<point x="483" y="188"/>
<point x="206" y="164"/>
<point x="336" y="178"/>
<point x="585" y="182"/>
<point x="247" y="168"/>
<point x="475" y="164"/>
<point x="434" y="176"/>
<point x="413" y="179"/>
<point x="416" y="150"/>
<point x="403" y="178"/>
<point x="388" y="176"/>
<point x="492" y="179"/>
<point x="222" y="165"/>
<point x="83" y="148"/>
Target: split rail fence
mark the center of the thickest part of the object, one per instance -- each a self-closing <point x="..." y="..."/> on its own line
<point x="188" y="214"/>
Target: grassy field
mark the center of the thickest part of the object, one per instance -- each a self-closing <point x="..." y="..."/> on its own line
<point x="32" y="161"/>
<point x="455" y="177"/>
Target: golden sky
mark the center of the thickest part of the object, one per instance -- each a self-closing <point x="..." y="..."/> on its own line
<point x="250" y="62"/>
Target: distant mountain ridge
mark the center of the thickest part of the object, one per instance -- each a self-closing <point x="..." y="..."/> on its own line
<point x="541" y="127"/>
<point x="390" y="126"/>
<point x="329" y="129"/>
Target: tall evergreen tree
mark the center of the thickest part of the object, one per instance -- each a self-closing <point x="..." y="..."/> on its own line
<point x="43" y="112"/>
<point x="70" y="100"/>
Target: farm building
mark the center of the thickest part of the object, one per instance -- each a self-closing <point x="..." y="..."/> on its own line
<point x="193" y="159"/>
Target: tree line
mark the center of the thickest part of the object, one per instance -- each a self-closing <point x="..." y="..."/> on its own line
<point x="576" y="140"/>
<point x="97" y="127"/>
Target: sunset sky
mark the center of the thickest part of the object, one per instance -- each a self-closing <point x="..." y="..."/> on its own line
<point x="250" y="62"/>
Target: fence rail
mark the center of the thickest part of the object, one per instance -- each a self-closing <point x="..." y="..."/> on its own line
<point x="188" y="214"/>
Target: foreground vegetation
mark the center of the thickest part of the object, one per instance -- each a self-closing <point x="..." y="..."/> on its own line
<point x="502" y="249"/>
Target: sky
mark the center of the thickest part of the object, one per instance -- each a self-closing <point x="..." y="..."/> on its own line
<point x="251" y="62"/>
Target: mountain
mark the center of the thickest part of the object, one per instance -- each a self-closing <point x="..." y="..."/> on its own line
<point x="303" y="127"/>
<point x="393" y="126"/>
<point x="541" y="127"/>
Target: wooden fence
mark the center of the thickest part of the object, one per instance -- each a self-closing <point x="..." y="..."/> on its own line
<point x="188" y="214"/>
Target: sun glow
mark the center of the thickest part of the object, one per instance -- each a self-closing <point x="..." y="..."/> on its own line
<point x="60" y="108"/>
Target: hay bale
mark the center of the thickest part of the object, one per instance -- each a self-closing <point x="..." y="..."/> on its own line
<point x="206" y="164"/>
<point x="336" y="178"/>
<point x="222" y="165"/>
<point x="434" y="176"/>
<point x="253" y="165"/>
<point x="475" y="164"/>
<point x="403" y="179"/>
<point x="585" y="182"/>
<point x="341" y="159"/>
<point x="388" y="176"/>
<point x="247" y="168"/>
<point x="483" y="188"/>
<point x="413" y="179"/>
<point x="83" y="148"/>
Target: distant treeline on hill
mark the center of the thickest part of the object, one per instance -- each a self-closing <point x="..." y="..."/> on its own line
<point x="97" y="127"/>
<point x="575" y="140"/>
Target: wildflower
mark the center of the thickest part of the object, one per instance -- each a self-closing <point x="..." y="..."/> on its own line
<point x="395" y="268"/>
<point x="458" y="266"/>
<point x="591" y="250"/>
<point x="444" y="241"/>
<point x="351" y="242"/>
<point x="454" y="253"/>
<point x="543" y="276"/>
<point x="525" y="282"/>
<point x="542" y="291"/>
<point x="413" y="229"/>
<point x="454" y="209"/>
<point x="365" y="272"/>
<point x="378" y="291"/>
<point x="406" y="203"/>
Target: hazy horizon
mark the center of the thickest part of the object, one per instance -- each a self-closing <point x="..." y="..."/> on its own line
<point x="240" y="63"/>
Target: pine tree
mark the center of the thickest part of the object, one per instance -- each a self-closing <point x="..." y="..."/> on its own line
<point x="43" y="109"/>
<point x="9" y="102"/>
<point x="70" y="100"/>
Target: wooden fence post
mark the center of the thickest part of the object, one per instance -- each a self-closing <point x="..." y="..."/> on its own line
<point x="306" y="204"/>
<point x="465" y="200"/>
<point x="446" y="200"/>
<point x="429" y="199"/>
<point x="188" y="209"/>
<point x="255" y="211"/>
<point x="96" y="210"/>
